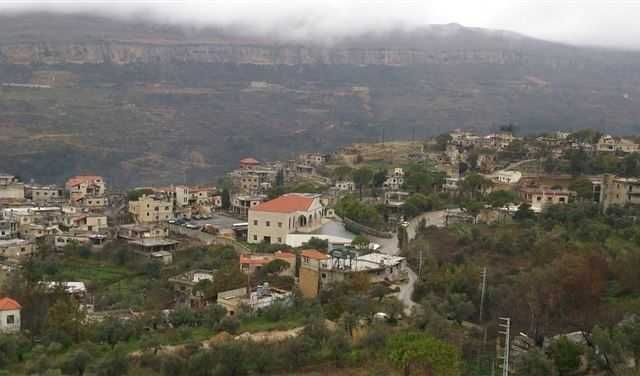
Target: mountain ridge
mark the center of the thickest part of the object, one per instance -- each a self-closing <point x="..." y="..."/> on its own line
<point x="143" y="103"/>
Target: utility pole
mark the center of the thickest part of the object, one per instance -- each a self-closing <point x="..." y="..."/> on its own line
<point x="484" y="288"/>
<point x="505" y="322"/>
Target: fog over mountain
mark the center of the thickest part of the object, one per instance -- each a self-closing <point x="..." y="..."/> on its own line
<point x="143" y="98"/>
<point x="587" y="22"/>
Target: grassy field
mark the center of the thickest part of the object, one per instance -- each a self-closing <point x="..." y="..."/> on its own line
<point x="90" y="271"/>
<point x="261" y="324"/>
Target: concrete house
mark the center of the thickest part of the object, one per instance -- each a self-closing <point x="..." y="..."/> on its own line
<point x="539" y="197"/>
<point x="621" y="191"/>
<point x="345" y="186"/>
<point x="184" y="285"/>
<point x="64" y="239"/>
<point x="312" y="261"/>
<point x="150" y="231"/>
<point x="272" y="221"/>
<point x="263" y="296"/>
<point x="240" y="204"/>
<point x="88" y="222"/>
<point x="16" y="249"/>
<point x="318" y="269"/>
<point x="379" y="267"/>
<point x="608" y="143"/>
<point x="394" y="180"/>
<point x="87" y="191"/>
<point x="313" y="159"/>
<point x="201" y="195"/>
<point x="9" y="315"/>
<point x="11" y="189"/>
<point x="8" y="229"/>
<point x="44" y="193"/>
<point x="151" y="208"/>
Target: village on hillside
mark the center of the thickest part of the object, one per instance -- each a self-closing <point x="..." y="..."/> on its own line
<point x="399" y="233"/>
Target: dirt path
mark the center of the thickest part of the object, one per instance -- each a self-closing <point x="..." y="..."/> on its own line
<point x="259" y="337"/>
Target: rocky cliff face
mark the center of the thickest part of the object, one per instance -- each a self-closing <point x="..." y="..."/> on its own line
<point x="130" y="53"/>
<point x="147" y="104"/>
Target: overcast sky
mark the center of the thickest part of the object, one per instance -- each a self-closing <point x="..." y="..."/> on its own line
<point x="614" y="23"/>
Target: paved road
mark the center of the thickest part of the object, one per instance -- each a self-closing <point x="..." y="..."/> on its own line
<point x="220" y="221"/>
<point x="390" y="246"/>
<point x="513" y="165"/>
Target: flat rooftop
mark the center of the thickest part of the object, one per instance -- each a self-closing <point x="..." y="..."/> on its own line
<point x="154" y="242"/>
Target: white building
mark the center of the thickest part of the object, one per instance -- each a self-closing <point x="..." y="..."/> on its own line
<point x="260" y="298"/>
<point x="272" y="221"/>
<point x="610" y="143"/>
<point x="395" y="180"/>
<point x="507" y="176"/>
<point x="11" y="188"/>
<point x="9" y="315"/>
<point x="451" y="184"/>
<point x="345" y="186"/>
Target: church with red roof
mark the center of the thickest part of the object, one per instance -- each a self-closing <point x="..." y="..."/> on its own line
<point x="273" y="220"/>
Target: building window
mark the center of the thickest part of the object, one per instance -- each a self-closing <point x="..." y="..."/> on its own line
<point x="11" y="319"/>
<point x="255" y="237"/>
<point x="279" y="240"/>
<point x="280" y="224"/>
<point x="538" y="198"/>
<point x="255" y="222"/>
<point x="268" y="224"/>
<point x="561" y="199"/>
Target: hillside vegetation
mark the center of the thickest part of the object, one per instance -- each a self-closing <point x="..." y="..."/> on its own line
<point x="140" y="102"/>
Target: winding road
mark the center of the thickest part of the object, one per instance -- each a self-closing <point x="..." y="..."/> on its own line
<point x="390" y="247"/>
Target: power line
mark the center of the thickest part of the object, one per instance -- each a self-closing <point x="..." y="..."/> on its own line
<point x="505" y="322"/>
<point x="484" y="288"/>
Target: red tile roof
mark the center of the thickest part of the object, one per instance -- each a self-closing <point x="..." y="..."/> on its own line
<point x="314" y="254"/>
<point x="8" y="304"/>
<point x="254" y="260"/>
<point x="73" y="181"/>
<point x="249" y="161"/>
<point x="288" y="203"/>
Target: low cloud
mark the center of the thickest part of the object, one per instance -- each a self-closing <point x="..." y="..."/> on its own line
<point x="610" y="23"/>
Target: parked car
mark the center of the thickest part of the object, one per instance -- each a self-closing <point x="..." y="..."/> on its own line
<point x="172" y="221"/>
<point x="192" y="226"/>
<point x="180" y="222"/>
<point x="197" y="216"/>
